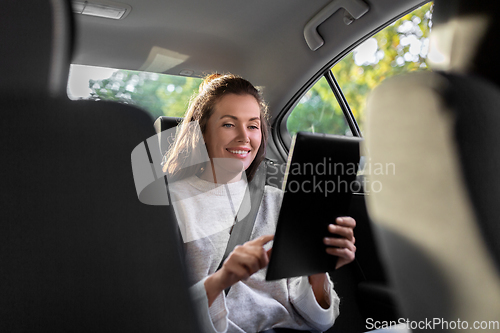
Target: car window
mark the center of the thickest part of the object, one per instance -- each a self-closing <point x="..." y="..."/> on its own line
<point x="318" y="112"/>
<point x="399" y="48"/>
<point x="158" y="94"/>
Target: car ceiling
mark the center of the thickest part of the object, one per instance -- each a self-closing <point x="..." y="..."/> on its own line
<point x="261" y="40"/>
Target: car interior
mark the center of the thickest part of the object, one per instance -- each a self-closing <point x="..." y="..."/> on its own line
<point x="83" y="250"/>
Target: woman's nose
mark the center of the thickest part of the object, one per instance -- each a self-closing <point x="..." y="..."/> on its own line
<point x="243" y="135"/>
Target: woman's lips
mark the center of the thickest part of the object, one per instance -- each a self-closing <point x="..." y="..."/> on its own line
<point x="241" y="153"/>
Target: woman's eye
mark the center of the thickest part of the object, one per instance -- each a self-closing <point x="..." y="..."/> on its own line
<point x="253" y="127"/>
<point x="227" y="125"/>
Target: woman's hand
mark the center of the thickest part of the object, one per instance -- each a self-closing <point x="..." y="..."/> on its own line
<point x="244" y="261"/>
<point x="342" y="247"/>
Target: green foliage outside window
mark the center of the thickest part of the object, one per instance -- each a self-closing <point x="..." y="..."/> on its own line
<point x="160" y="95"/>
<point x="318" y="112"/>
<point x="399" y="48"/>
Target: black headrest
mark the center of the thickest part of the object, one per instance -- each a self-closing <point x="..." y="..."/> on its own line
<point x="165" y="123"/>
<point x="484" y="62"/>
<point x="162" y="124"/>
<point x="447" y="9"/>
<point x="36" y="39"/>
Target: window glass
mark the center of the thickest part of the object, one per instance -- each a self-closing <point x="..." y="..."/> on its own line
<point x="159" y="94"/>
<point x="318" y="112"/>
<point x="399" y="48"/>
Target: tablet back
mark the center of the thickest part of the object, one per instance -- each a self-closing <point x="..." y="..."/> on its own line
<point x="319" y="180"/>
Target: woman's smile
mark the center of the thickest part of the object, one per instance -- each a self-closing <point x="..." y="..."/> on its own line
<point x="239" y="152"/>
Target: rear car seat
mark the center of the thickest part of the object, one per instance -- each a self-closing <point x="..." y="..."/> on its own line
<point x="79" y="252"/>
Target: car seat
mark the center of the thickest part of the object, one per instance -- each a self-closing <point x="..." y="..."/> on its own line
<point x="162" y="124"/>
<point x="78" y="251"/>
<point x="436" y="214"/>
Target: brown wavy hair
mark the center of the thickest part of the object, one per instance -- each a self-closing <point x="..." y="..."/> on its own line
<point x="184" y="150"/>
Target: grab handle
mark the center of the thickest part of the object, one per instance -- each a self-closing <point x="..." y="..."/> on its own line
<point x="355" y="8"/>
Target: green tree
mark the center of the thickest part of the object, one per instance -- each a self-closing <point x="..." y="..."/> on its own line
<point x="399" y="48"/>
<point x="317" y="112"/>
<point x="160" y="95"/>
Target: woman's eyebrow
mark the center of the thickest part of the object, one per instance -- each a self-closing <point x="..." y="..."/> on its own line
<point x="236" y="118"/>
<point x="229" y="116"/>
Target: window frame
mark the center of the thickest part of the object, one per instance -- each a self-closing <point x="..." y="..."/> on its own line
<point x="280" y="133"/>
<point x="344" y="105"/>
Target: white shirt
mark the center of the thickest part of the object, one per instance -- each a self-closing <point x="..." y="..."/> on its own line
<point x="206" y="213"/>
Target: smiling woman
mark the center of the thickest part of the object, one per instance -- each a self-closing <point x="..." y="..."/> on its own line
<point x="227" y="92"/>
<point x="230" y="124"/>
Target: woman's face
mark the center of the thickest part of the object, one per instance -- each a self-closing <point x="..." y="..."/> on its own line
<point x="233" y="132"/>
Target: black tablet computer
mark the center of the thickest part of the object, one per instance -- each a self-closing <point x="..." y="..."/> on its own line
<point x="319" y="180"/>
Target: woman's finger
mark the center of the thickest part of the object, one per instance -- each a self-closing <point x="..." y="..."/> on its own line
<point x="261" y="241"/>
<point x="338" y="242"/>
<point x="242" y="264"/>
<point x="343" y="260"/>
<point x="345" y="232"/>
<point x="345" y="255"/>
<point x="249" y="255"/>
<point x="346" y="221"/>
<point x="343" y="247"/>
<point x="260" y="254"/>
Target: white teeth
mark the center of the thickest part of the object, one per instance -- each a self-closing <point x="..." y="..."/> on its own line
<point x="240" y="152"/>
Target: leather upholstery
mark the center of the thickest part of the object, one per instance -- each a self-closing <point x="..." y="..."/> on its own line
<point x="78" y="251"/>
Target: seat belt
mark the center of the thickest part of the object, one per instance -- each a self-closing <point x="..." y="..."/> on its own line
<point x="242" y="230"/>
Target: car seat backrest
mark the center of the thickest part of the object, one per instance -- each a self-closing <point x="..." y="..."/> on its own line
<point x="436" y="214"/>
<point x="464" y="35"/>
<point x="36" y="48"/>
<point x="473" y="80"/>
<point x="162" y="124"/>
<point x="79" y="252"/>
